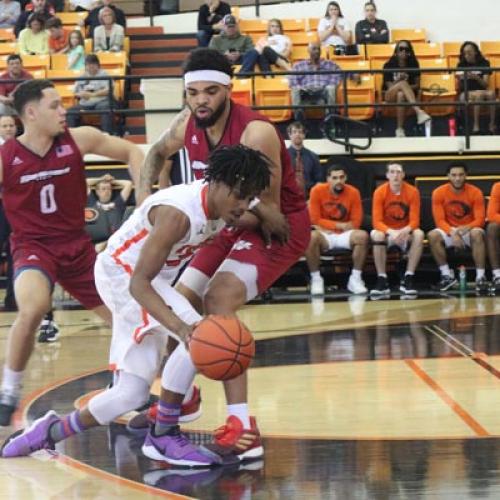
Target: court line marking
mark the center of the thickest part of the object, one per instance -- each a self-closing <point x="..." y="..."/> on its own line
<point x="468" y="419"/>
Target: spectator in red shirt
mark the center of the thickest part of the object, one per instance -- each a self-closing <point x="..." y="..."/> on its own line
<point x="14" y="71"/>
<point x="58" y="36"/>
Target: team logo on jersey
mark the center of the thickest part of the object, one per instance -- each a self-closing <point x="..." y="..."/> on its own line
<point x="198" y="165"/>
<point x="44" y="175"/>
<point x="457" y="209"/>
<point x="33" y="257"/>
<point x="243" y="245"/>
<point x="397" y="210"/>
<point x="16" y="161"/>
<point x="194" y="139"/>
<point x="64" y="150"/>
<point x="336" y="211"/>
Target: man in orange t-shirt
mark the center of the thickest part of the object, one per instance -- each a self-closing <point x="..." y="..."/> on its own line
<point x="336" y="213"/>
<point x="396" y="222"/>
<point x="493" y="235"/>
<point x="58" y="36"/>
<point x="459" y="215"/>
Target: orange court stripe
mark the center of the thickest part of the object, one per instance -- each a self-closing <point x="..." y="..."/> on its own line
<point x="461" y="412"/>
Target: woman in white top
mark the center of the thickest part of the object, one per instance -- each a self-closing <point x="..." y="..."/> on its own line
<point x="275" y="47"/>
<point x="333" y="29"/>
<point x="109" y="35"/>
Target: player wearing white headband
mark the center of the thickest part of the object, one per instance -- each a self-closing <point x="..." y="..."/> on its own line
<point x="243" y="262"/>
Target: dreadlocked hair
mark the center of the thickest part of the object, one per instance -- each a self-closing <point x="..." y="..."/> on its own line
<point x="241" y="168"/>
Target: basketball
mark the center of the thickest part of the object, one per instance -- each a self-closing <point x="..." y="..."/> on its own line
<point x="221" y="347"/>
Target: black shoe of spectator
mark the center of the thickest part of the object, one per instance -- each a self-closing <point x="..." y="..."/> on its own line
<point x="381" y="288"/>
<point x="495" y="285"/>
<point x="407" y="286"/>
<point x="49" y="332"/>
<point x="445" y="283"/>
<point x="482" y="285"/>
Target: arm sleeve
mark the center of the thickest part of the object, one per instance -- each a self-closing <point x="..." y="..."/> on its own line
<point x="203" y="24"/>
<point x="357" y="210"/>
<point x="494" y="204"/>
<point x="478" y="210"/>
<point x="438" y="212"/>
<point x="315" y="211"/>
<point x="415" y="210"/>
<point x="378" y="212"/>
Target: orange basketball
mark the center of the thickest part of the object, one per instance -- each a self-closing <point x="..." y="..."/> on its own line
<point x="221" y="347"/>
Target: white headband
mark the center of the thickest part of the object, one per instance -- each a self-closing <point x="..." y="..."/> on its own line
<point x="206" y="75"/>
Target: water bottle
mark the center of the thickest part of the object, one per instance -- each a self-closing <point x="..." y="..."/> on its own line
<point x="462" y="278"/>
<point x="452" y="127"/>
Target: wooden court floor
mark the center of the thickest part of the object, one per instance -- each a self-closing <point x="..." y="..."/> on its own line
<point x="355" y="399"/>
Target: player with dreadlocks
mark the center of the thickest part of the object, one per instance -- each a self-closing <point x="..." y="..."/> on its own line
<point x="133" y="277"/>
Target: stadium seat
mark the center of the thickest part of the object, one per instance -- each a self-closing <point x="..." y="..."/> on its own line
<point x="248" y="26"/>
<point x="36" y="62"/>
<point x="242" y="91"/>
<point x="293" y="25"/>
<point x="424" y="51"/>
<point x="495" y="62"/>
<point x="273" y="92"/>
<point x="380" y="51"/>
<point x="437" y="87"/>
<point x="58" y="61"/>
<point x="112" y="60"/>
<point x="312" y="23"/>
<point x="70" y="74"/>
<point x="118" y="85"/>
<point x="490" y="49"/>
<point x="7" y="35"/>
<point x="88" y="45"/>
<point x="451" y="50"/>
<point x="301" y="52"/>
<point x="67" y="93"/>
<point x="302" y="38"/>
<point x="437" y="63"/>
<point x="359" y="93"/>
<point x="8" y="48"/>
<point x="39" y="73"/>
<point x="333" y="57"/>
<point x="72" y="18"/>
<point x="412" y="35"/>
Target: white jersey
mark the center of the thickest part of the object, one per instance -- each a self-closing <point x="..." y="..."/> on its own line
<point x="125" y="245"/>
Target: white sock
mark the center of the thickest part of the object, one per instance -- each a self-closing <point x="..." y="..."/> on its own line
<point x="356" y="273"/>
<point x="188" y="395"/>
<point x="382" y="275"/>
<point x="496" y="273"/>
<point x="409" y="273"/>
<point x="315" y="275"/>
<point x="445" y="270"/>
<point x="241" y="411"/>
<point x="479" y="273"/>
<point x="12" y="381"/>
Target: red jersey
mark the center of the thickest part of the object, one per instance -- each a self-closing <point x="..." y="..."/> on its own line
<point x="198" y="147"/>
<point x="44" y="197"/>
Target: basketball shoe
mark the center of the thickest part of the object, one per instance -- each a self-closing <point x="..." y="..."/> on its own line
<point x="49" y="331"/>
<point x="191" y="410"/>
<point x="35" y="437"/>
<point x="175" y="448"/>
<point x="8" y="405"/>
<point x="233" y="439"/>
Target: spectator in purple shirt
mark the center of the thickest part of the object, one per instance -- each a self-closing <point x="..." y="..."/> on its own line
<point x="317" y="88"/>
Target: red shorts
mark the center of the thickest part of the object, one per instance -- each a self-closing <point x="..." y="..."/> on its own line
<point x="69" y="262"/>
<point x="249" y="247"/>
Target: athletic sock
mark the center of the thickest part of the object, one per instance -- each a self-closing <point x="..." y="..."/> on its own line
<point x="382" y="275"/>
<point x="356" y="273"/>
<point x="68" y="426"/>
<point x="479" y="273"/>
<point x="166" y="417"/>
<point x="409" y="273"/>
<point x="445" y="270"/>
<point x="12" y="381"/>
<point x="241" y="411"/>
<point x="315" y="275"/>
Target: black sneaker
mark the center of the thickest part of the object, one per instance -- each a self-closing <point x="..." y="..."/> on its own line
<point x="482" y="285"/>
<point x="381" y="288"/>
<point x="495" y="285"/>
<point x="49" y="332"/>
<point x="8" y="405"/>
<point x="407" y="286"/>
<point x="445" y="283"/>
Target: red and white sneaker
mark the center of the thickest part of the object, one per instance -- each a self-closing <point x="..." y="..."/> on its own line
<point x="191" y="410"/>
<point x="233" y="438"/>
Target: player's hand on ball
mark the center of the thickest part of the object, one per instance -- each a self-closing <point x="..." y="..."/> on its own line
<point x="185" y="332"/>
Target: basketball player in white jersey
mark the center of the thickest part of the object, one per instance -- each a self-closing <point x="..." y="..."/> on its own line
<point x="133" y="277"/>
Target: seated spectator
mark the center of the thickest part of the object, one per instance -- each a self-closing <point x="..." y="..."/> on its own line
<point x="92" y="95"/>
<point x="83" y="5"/>
<point x="308" y="170"/>
<point x="58" y="36"/>
<point x="396" y="222"/>
<point x="41" y="7"/>
<point x="334" y="30"/>
<point x="370" y="29"/>
<point x="34" y="40"/>
<point x="76" y="51"/>
<point x="9" y="13"/>
<point x="8" y="128"/>
<point x="493" y="235"/>
<point x="275" y="48"/>
<point x="210" y="18"/>
<point x="477" y="82"/>
<point x="314" y="89"/>
<point x="336" y="213"/>
<point x="14" y="71"/>
<point x="110" y="35"/>
<point x="459" y="215"/>
<point x="92" y="20"/>
<point x="235" y="46"/>
<point x="108" y="202"/>
<point x="403" y="86"/>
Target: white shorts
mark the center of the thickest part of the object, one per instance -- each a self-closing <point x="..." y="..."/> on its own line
<point x="391" y="243"/>
<point x="448" y="240"/>
<point x="338" y="240"/>
<point x="138" y="341"/>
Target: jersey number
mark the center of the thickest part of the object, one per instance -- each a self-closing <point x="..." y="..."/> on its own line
<point x="47" y="201"/>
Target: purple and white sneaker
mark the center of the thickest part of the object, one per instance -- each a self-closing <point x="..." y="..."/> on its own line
<point x="36" y="437"/>
<point x="176" y="449"/>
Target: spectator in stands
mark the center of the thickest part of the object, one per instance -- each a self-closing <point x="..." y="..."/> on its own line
<point x="275" y="48"/>
<point x="109" y="36"/>
<point x="92" y="20"/>
<point x="76" y="51"/>
<point x="477" y="82"/>
<point x="370" y="29"/>
<point x="315" y="88"/>
<point x="336" y="212"/>
<point x="16" y="72"/>
<point x="235" y="46"/>
<point x="83" y="5"/>
<point x="334" y="30"/>
<point x="210" y="17"/>
<point x="34" y="40"/>
<point x="459" y="215"/>
<point x="308" y="170"/>
<point x="402" y="86"/>
<point x="41" y="7"/>
<point x="58" y="36"/>
<point x="396" y="222"/>
<point x="9" y="13"/>
<point x="493" y="235"/>
<point x="8" y="128"/>
<point x="92" y="95"/>
<point x="110" y="200"/>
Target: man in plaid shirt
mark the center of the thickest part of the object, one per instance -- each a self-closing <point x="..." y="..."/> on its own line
<point x="314" y="89"/>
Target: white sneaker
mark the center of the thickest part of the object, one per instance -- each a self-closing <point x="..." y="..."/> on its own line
<point x="356" y="285"/>
<point x="400" y="132"/>
<point x="422" y="117"/>
<point x="317" y="286"/>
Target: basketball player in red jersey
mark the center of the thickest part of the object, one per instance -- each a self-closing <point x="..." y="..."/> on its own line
<point x="241" y="262"/>
<point x="43" y="179"/>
